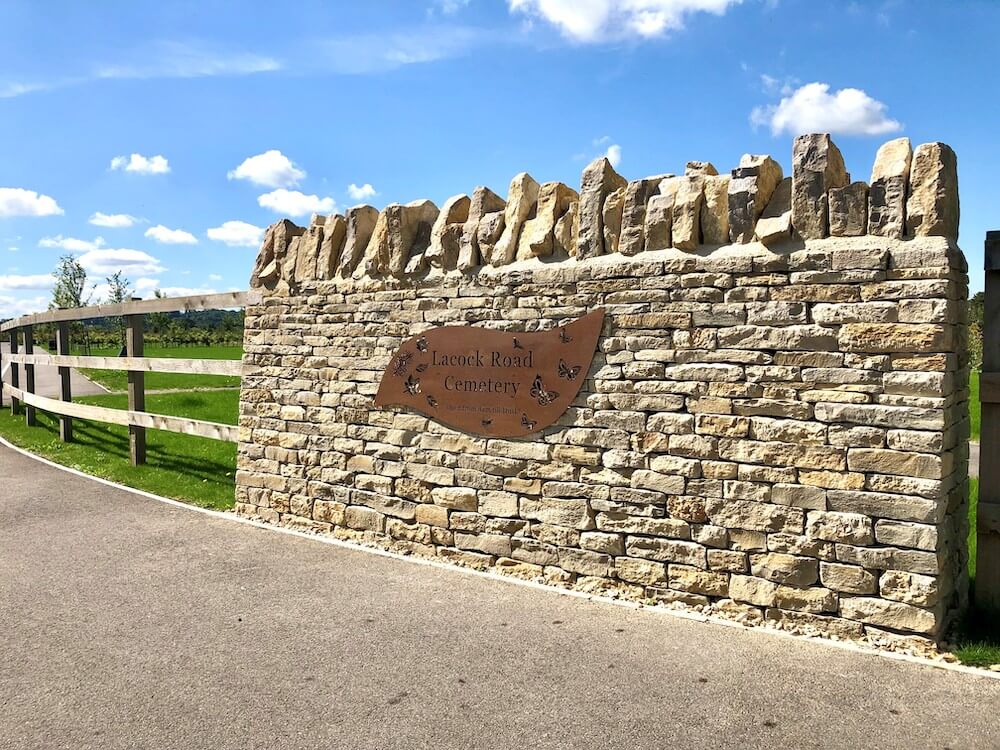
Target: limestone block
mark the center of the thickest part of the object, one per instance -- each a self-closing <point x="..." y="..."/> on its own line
<point x="402" y="232"/>
<point x="685" y="231"/>
<point x="565" y="236"/>
<point x="715" y="210"/>
<point x="910" y="588"/>
<point x="786" y="569"/>
<point x="895" y="337"/>
<point x="571" y="513"/>
<point x="888" y="614"/>
<point x="750" y="189"/>
<point x="775" y="223"/>
<point x="537" y="235"/>
<point x="666" y="550"/>
<point x="471" y="253"/>
<point x="637" y="195"/>
<point x="817" y="166"/>
<point x="642" y="572"/>
<point x="932" y="208"/>
<point x="695" y="581"/>
<point x="522" y="201"/>
<point x="660" y="215"/>
<point x="700" y="168"/>
<point x="849" y="210"/>
<point x="290" y="261"/>
<point x="763" y="593"/>
<point x="754" y="516"/>
<point x="599" y="179"/>
<point x="850" y="528"/>
<point x="307" y="253"/>
<point x="611" y="216"/>
<point x="334" y="236"/>
<point x="903" y="463"/>
<point x="847" y="579"/>
<point x="361" y="221"/>
<point x="889" y="185"/>
<point x="488" y="234"/>
<point x="272" y="253"/>
<point x="585" y="562"/>
<point x="455" y="498"/>
<point x="903" y="534"/>
<point x="446" y="234"/>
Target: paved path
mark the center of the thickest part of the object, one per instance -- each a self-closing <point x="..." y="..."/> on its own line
<point x="128" y="623"/>
<point x="47" y="378"/>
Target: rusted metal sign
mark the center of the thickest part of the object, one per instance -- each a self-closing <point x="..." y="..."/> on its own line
<point x="492" y="383"/>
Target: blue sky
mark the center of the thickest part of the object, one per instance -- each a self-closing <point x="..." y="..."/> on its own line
<point x="429" y="98"/>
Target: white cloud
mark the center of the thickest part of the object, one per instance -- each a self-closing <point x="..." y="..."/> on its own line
<point x="32" y="281"/>
<point x="167" y="59"/>
<point x="72" y="244"/>
<point x="362" y="54"/>
<point x="236" y="234"/>
<point x="146" y="285"/>
<point x="21" y="202"/>
<point x="614" y="154"/>
<point x="813" y="109"/>
<point x="361" y="193"/>
<point x="269" y="169"/>
<point x="141" y="164"/>
<point x="129" y="262"/>
<point x="115" y="221"/>
<point x="214" y="277"/>
<point x="608" y="20"/>
<point x="450" y="7"/>
<point x="15" y="307"/>
<point x="294" y="203"/>
<point x="166" y="236"/>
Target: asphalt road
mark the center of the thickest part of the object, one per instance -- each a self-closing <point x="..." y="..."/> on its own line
<point x="47" y="379"/>
<point x="128" y="623"/>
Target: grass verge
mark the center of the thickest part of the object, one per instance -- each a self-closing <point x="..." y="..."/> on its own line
<point x="196" y="470"/>
<point x="979" y="640"/>
<point x="115" y="380"/>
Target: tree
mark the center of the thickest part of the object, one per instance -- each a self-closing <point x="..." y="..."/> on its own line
<point x="119" y="291"/>
<point x="70" y="291"/>
<point x="157" y="322"/>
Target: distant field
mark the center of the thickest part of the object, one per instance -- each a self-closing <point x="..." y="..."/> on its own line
<point x="115" y="380"/>
<point x="193" y="469"/>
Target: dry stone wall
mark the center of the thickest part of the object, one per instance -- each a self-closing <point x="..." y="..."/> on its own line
<point x="774" y="427"/>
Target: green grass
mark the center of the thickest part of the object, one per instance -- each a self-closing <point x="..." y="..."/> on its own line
<point x="196" y="470"/>
<point x="974" y="406"/>
<point x="116" y="380"/>
<point x="979" y="641"/>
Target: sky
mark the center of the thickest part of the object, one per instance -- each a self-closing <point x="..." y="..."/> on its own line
<point x="160" y="138"/>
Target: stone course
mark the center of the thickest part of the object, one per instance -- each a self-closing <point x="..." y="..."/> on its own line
<point x="774" y="432"/>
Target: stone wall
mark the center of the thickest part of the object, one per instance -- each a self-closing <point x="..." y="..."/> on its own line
<point x="774" y="427"/>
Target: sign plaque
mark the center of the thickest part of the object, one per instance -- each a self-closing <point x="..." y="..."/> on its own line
<point x="492" y="383"/>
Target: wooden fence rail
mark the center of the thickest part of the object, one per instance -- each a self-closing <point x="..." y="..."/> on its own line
<point x="23" y="358"/>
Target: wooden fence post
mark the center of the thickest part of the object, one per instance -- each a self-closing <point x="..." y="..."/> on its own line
<point x="987" y="590"/>
<point x="15" y="375"/>
<point x="136" y="388"/>
<point x="65" y="389"/>
<point x="30" y="418"/>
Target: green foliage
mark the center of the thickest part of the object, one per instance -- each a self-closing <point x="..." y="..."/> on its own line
<point x="192" y="469"/>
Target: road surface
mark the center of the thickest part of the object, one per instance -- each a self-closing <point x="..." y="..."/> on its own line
<point x="129" y="623"/>
<point x="47" y="378"/>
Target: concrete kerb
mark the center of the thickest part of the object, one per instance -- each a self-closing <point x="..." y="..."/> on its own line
<point x="681" y="614"/>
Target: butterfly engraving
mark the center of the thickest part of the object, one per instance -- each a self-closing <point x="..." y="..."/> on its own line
<point x="528" y="424"/>
<point x="412" y="386"/>
<point x="518" y="344"/>
<point x="402" y="363"/>
<point x="540" y="394"/>
<point x="432" y="401"/>
<point x="422" y="367"/>
<point x="564" y="337"/>
<point x="487" y="423"/>
<point x="565" y="371"/>
<point x="422" y="343"/>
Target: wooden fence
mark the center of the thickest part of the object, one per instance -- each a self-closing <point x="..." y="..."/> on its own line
<point x="136" y="418"/>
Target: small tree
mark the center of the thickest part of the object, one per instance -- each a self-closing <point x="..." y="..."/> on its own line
<point x="119" y="291"/>
<point x="70" y="290"/>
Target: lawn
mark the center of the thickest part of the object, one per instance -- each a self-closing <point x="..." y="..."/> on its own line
<point x="979" y="643"/>
<point x="115" y="380"/>
<point x="193" y="469"/>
